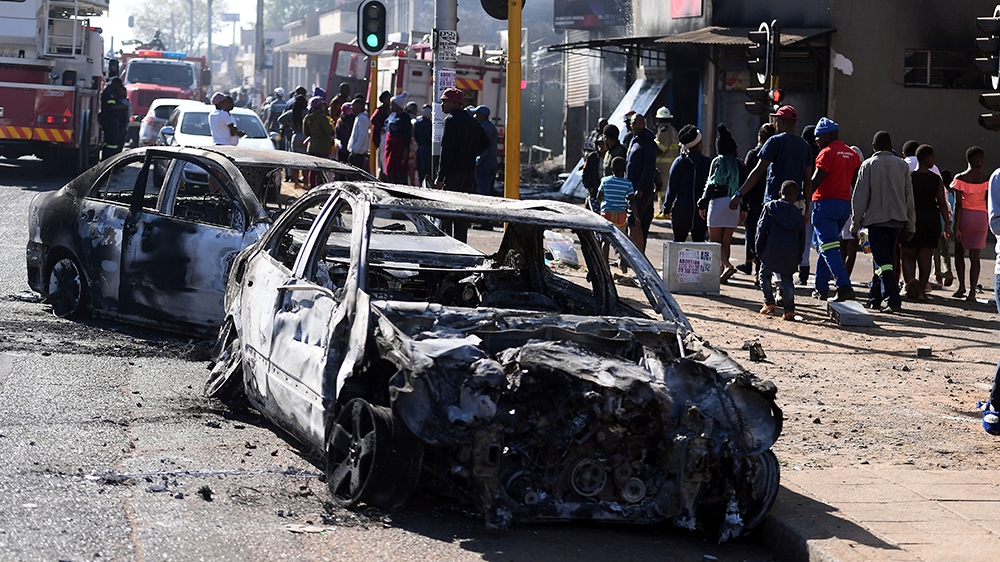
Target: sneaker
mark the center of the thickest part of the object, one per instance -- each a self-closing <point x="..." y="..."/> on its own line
<point x="803" y="275"/>
<point x="745" y="268"/>
<point x="821" y="295"/>
<point x="768" y="309"/>
<point x="788" y="315"/>
<point x="991" y="418"/>
<point x="845" y="293"/>
<point x="660" y="216"/>
<point x="892" y="308"/>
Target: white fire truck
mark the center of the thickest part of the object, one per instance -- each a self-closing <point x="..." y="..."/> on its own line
<point x="51" y="75"/>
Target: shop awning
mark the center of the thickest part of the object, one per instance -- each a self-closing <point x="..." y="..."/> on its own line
<point x="712" y="35"/>
<point x="737" y="36"/>
<point x="316" y="45"/>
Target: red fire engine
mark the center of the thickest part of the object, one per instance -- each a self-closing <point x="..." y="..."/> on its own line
<point x="51" y="68"/>
<point x="150" y="75"/>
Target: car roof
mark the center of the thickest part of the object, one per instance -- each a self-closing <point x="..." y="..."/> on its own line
<point x="208" y="108"/>
<point x="173" y="101"/>
<point x="242" y="156"/>
<point x="433" y="201"/>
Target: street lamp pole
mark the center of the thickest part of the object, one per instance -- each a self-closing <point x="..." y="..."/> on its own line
<point x="208" y="23"/>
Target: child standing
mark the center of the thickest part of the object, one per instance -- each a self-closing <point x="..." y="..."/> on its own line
<point x="781" y="239"/>
<point x="614" y="194"/>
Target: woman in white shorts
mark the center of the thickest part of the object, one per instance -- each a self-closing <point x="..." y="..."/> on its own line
<point x="725" y="176"/>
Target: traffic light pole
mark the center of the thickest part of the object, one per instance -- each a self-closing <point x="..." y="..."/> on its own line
<point x="372" y="104"/>
<point x="512" y="130"/>
<point x="445" y="45"/>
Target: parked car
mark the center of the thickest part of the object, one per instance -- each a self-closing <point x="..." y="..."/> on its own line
<point x="124" y="240"/>
<point x="533" y="389"/>
<point x="159" y="111"/>
<point x="188" y="126"/>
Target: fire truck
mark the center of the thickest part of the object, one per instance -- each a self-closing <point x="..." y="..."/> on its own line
<point x="51" y="75"/>
<point x="150" y="74"/>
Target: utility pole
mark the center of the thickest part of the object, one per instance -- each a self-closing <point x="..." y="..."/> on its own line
<point x="209" y="24"/>
<point x="512" y="130"/>
<point x="445" y="44"/>
<point x="258" y="51"/>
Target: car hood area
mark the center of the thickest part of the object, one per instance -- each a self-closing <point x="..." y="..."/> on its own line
<point x="574" y="417"/>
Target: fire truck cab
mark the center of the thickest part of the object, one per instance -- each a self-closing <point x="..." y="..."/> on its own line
<point x="51" y="75"/>
<point x="150" y="75"/>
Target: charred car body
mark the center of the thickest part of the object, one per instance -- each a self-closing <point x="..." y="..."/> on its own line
<point x="149" y="235"/>
<point x="536" y="391"/>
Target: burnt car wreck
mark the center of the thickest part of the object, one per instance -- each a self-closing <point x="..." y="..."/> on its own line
<point x="149" y="235"/>
<point x="537" y="392"/>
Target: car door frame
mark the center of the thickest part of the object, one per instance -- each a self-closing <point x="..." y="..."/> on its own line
<point x="167" y="274"/>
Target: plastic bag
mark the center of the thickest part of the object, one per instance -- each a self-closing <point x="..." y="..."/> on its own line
<point x="560" y="246"/>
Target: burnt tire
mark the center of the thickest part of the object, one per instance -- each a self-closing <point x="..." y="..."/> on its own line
<point x="371" y="457"/>
<point x="756" y="494"/>
<point x="66" y="286"/>
<point x="225" y="382"/>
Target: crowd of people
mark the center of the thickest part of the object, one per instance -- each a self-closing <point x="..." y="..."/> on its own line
<point x="796" y="192"/>
<point x="398" y="131"/>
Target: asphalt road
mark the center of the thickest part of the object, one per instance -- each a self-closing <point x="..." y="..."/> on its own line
<point x="110" y="452"/>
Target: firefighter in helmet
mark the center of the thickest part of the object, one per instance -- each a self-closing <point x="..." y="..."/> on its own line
<point x="114" y="110"/>
<point x="667" y="149"/>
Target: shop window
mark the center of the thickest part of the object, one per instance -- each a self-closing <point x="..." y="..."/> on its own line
<point x="941" y="69"/>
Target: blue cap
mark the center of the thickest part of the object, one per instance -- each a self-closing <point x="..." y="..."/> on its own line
<point x="481" y="109"/>
<point x="826" y="126"/>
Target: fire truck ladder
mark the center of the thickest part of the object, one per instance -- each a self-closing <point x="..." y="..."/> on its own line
<point x="63" y="26"/>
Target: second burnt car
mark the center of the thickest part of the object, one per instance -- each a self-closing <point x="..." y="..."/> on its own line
<point x="535" y="390"/>
<point x="149" y="234"/>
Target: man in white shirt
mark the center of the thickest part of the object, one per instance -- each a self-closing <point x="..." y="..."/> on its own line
<point x="221" y="122"/>
<point x="358" y="145"/>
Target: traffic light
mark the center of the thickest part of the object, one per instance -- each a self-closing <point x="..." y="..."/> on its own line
<point x="990" y="65"/>
<point x="371" y="27"/>
<point x="760" y="103"/>
<point x="776" y="97"/>
<point x="760" y="53"/>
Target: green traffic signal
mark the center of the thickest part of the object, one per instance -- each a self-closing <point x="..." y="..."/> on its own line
<point x="372" y="40"/>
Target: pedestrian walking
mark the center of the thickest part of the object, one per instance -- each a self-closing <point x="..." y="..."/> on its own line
<point x="422" y="132"/>
<point x="614" y="194"/>
<point x="342" y="131"/>
<point x="781" y="235"/>
<point x="113" y="112"/>
<point x="272" y="111"/>
<point x="399" y="133"/>
<point x="668" y="148"/>
<point x="486" y="162"/>
<point x="725" y="176"/>
<point x="688" y="176"/>
<point x="942" y="255"/>
<point x="640" y="169"/>
<point x="378" y="130"/>
<point x="359" y="145"/>
<point x="753" y="202"/>
<point x="971" y="219"/>
<point x="883" y="203"/>
<point x="615" y="147"/>
<point x="221" y="122"/>
<point x="462" y="141"/>
<point x="343" y="96"/>
<point x="991" y="418"/>
<point x="836" y="170"/>
<point x="319" y="132"/>
<point x="930" y="208"/>
<point x="593" y="173"/>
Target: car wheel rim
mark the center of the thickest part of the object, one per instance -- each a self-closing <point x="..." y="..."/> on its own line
<point x="357" y="434"/>
<point x="65" y="287"/>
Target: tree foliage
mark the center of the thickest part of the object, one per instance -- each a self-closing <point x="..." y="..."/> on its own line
<point x="277" y="13"/>
<point x="172" y="18"/>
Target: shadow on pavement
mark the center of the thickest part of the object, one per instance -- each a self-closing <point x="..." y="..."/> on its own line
<point x="30" y="174"/>
<point x="796" y="521"/>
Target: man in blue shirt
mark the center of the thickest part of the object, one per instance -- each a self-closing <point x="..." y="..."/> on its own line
<point x="785" y="156"/>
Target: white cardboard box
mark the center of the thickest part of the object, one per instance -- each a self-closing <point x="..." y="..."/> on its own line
<point x="692" y="267"/>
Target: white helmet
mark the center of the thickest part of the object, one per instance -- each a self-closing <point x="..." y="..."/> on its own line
<point x="279" y="91"/>
<point x="664" y="113"/>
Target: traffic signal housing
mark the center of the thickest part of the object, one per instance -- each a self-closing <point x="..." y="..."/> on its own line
<point x="759" y="103"/>
<point x="760" y="53"/>
<point x="990" y="65"/>
<point x="371" y="27"/>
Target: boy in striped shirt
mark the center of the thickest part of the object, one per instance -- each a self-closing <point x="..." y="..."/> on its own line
<point x="615" y="194"/>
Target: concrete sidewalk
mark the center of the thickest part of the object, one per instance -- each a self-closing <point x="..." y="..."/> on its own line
<point x="897" y="514"/>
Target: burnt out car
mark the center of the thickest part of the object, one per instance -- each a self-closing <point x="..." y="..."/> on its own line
<point x="535" y="390"/>
<point x="149" y="235"/>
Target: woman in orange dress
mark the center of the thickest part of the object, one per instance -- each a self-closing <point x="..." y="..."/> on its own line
<point x="971" y="219"/>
